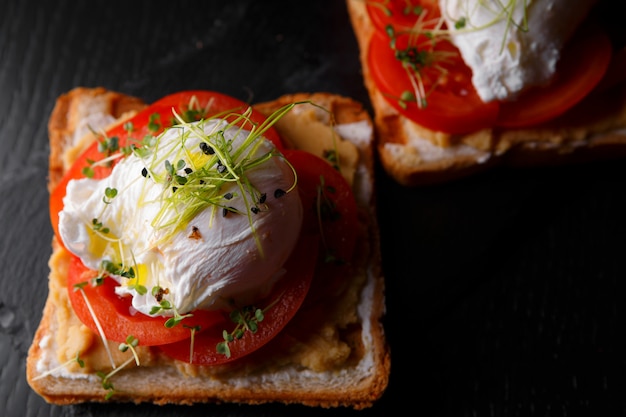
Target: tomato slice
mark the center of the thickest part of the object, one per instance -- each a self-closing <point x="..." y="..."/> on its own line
<point x="214" y="103"/>
<point x="337" y="243"/>
<point x="330" y="210"/>
<point x="574" y="81"/>
<point x="329" y="204"/>
<point x="401" y="14"/>
<point x="282" y="305"/>
<point x="151" y="121"/>
<point x="452" y="104"/>
<point x="115" y="314"/>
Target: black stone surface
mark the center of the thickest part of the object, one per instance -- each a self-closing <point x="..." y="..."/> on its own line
<point x="505" y="290"/>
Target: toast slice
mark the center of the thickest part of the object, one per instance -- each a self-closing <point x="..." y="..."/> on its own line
<point x="414" y="155"/>
<point x="341" y="360"/>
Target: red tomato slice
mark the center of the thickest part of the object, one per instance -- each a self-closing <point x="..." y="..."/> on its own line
<point x="584" y="62"/>
<point x="213" y="102"/>
<point x="284" y="302"/>
<point x="401" y="14"/>
<point x="452" y="107"/>
<point x="115" y="314"/>
<point x="328" y="203"/>
<point x="334" y="215"/>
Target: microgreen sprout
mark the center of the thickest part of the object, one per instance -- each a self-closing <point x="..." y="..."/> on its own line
<point x="140" y="289"/>
<point x="154" y="122"/>
<point x="131" y="343"/>
<point x="111" y="149"/>
<point x="192" y="339"/>
<point x="173" y="176"/>
<point x="109" y="195"/>
<point x="408" y="8"/>
<point x="332" y="156"/>
<point x="106" y="384"/>
<point x="164" y="306"/>
<point x="327" y="211"/>
<point x="193" y="112"/>
<point x="109" y="146"/>
<point x="80" y="287"/>
<point x="88" y="171"/>
<point x="420" y="59"/>
<point x="460" y="23"/>
<point x="118" y="269"/>
<point x="108" y="267"/>
<point x="98" y="226"/>
<point x="76" y="359"/>
<point x="247" y="319"/>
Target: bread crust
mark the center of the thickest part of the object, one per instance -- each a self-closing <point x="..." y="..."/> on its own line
<point x="67" y="125"/>
<point x="357" y="386"/>
<point x="414" y="155"/>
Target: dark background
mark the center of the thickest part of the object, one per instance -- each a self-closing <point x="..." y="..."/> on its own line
<point x="504" y="290"/>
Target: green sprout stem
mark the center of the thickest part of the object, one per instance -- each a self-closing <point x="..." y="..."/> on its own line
<point x="76" y="359"/>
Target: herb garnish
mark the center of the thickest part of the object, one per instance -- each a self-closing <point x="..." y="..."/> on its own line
<point x="79" y="287"/>
<point x="165" y="305"/>
<point x="131" y="343"/>
<point x="247" y="319"/>
<point x="76" y="359"/>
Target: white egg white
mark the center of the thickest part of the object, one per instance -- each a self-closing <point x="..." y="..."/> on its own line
<point x="512" y="45"/>
<point x="226" y="251"/>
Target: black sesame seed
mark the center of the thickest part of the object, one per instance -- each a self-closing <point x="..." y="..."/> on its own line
<point x="227" y="210"/>
<point x="279" y="193"/>
<point x="255" y="210"/>
<point x="206" y="149"/>
<point x="262" y="198"/>
<point x="144" y="172"/>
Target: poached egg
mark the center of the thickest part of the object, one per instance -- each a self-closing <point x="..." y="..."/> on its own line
<point x="205" y="215"/>
<point x="512" y="45"/>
